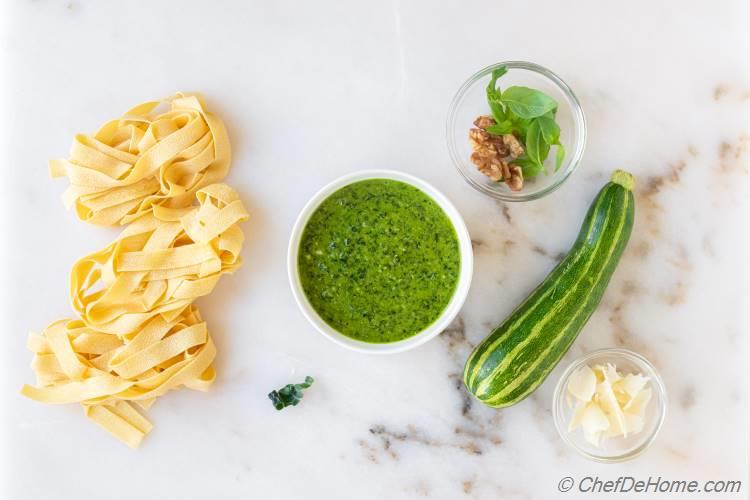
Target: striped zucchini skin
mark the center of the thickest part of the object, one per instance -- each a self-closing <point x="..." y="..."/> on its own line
<point x="518" y="355"/>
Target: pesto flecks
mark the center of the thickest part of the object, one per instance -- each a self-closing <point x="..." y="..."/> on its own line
<point x="379" y="260"/>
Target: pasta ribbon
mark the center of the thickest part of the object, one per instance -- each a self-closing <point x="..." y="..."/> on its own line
<point x="144" y="159"/>
<point x="160" y="263"/>
<point x="107" y="373"/>
<point x="138" y="334"/>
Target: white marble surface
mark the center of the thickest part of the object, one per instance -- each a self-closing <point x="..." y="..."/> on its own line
<point x="313" y="90"/>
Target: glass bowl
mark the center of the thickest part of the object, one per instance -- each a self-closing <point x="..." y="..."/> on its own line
<point x="615" y="449"/>
<point x="471" y="101"/>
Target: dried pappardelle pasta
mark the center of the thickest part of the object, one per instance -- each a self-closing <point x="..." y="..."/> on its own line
<point x="144" y="159"/>
<point x="111" y="375"/>
<point x="139" y="335"/>
<point x="160" y="263"/>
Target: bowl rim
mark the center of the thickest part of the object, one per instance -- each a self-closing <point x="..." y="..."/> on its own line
<point x="579" y="120"/>
<point x="456" y="301"/>
<point x="661" y="400"/>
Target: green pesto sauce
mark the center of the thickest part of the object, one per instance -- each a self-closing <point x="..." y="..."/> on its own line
<point x="379" y="260"/>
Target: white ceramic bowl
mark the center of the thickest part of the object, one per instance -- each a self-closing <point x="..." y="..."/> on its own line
<point x="450" y="312"/>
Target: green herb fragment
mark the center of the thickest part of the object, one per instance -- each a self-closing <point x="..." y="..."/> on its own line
<point x="520" y="125"/>
<point x="537" y="148"/>
<point x="500" y="128"/>
<point x="527" y="103"/>
<point x="528" y="168"/>
<point x="550" y="129"/>
<point x="559" y="156"/>
<point x="290" y="394"/>
<point x="493" y="95"/>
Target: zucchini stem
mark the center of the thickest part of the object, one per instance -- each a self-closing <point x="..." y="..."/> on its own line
<point x="624" y="179"/>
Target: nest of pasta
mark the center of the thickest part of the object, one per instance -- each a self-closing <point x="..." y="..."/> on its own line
<point x="138" y="334"/>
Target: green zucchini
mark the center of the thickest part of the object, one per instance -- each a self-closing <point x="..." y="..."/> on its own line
<point x="518" y="355"/>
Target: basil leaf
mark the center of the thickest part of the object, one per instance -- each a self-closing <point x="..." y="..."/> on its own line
<point x="497" y="73"/>
<point x="526" y="102"/>
<point x="290" y="394"/>
<point x="498" y="112"/>
<point x="536" y="148"/>
<point x="519" y="125"/>
<point x="493" y="95"/>
<point x="502" y="128"/>
<point x="528" y="167"/>
<point x="550" y="129"/>
<point x="522" y="126"/>
<point x="559" y="156"/>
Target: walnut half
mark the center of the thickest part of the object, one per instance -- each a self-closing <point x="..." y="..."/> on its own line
<point x="494" y="154"/>
<point x="515" y="182"/>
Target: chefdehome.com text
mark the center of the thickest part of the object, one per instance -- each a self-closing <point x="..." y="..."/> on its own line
<point x="658" y="484"/>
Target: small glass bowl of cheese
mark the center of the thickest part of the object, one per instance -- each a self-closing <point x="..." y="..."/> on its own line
<point x="609" y="405"/>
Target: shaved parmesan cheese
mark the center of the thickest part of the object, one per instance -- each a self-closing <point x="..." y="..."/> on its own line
<point x="610" y="405"/>
<point x="594" y="418"/>
<point x="593" y="437"/>
<point x="637" y="405"/>
<point x="633" y="384"/>
<point x="575" y="420"/>
<point x="594" y="421"/>
<point x="607" y="403"/>
<point x="622" y="396"/>
<point x="582" y="384"/>
<point x="610" y="373"/>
